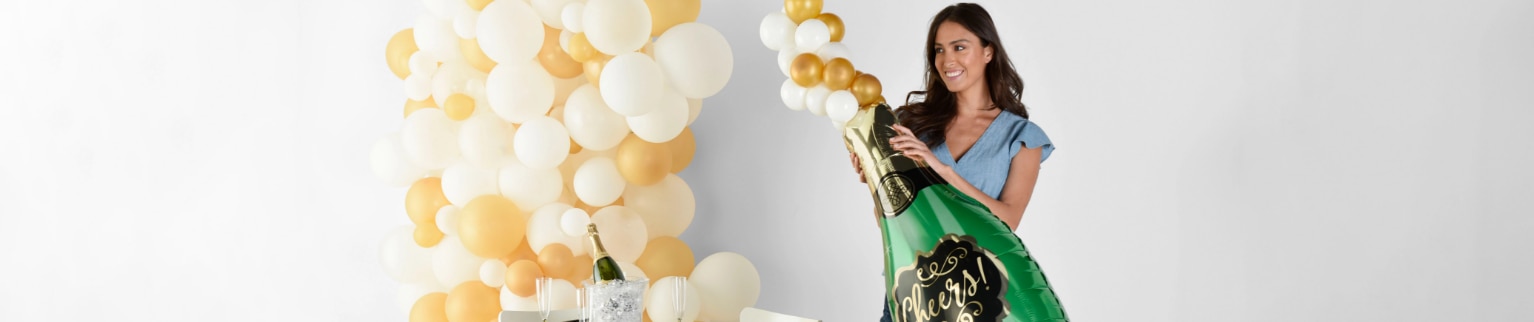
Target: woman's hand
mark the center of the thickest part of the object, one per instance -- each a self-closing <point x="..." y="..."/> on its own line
<point x="908" y="144"/>
<point x="857" y="165"/>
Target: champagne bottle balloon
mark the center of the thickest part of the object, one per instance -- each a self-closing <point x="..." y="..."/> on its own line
<point x="603" y="269"/>
<point x="946" y="256"/>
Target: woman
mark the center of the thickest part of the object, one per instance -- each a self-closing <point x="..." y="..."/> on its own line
<point x="970" y="125"/>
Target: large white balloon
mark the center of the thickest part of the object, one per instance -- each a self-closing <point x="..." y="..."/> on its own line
<point x="551" y="11"/>
<point x="541" y="143"/>
<point x="597" y="182"/>
<point x="623" y="232"/>
<point x="509" y="32"/>
<point x="429" y="138"/>
<point x="435" y="36"/>
<point x="453" y="264"/>
<point x="631" y="84"/>
<point x="777" y="31"/>
<point x="617" y="26"/>
<point x="402" y="259"/>
<point x="792" y="94"/>
<point x="661" y="302"/>
<point x="591" y="123"/>
<point x="485" y="140"/>
<point x="520" y="91"/>
<point x="815" y="99"/>
<point x="573" y="17"/>
<point x="696" y="58"/>
<point x="492" y="273"/>
<point x="810" y="35"/>
<point x="667" y="207"/>
<point x="728" y="282"/>
<point x="664" y="122"/>
<point x="391" y="165"/>
<point x="462" y="182"/>
<point x="543" y="229"/>
<point x="529" y="188"/>
<point x="841" y="105"/>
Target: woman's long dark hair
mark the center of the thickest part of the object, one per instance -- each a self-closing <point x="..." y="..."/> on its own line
<point x="928" y="112"/>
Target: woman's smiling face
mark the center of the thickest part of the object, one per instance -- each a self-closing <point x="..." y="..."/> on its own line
<point x="961" y="58"/>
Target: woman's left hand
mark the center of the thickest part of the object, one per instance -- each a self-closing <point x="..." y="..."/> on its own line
<point x="907" y="143"/>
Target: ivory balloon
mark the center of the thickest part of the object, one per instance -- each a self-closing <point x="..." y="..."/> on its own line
<point x="447" y="220"/>
<point x="452" y="78"/>
<point x="696" y="58"/>
<point x="632" y="272"/>
<point x="617" y="26"/>
<point x="463" y="182"/>
<point x="597" y="182"/>
<point x="838" y="74"/>
<point x="435" y="36"/>
<point x="473" y="302"/>
<point x="641" y="162"/>
<point x="833" y="23"/>
<point x="465" y="24"/>
<point x="806" y="69"/>
<point x="810" y="35"/>
<point x="572" y="17"/>
<point x="660" y="303"/>
<point x="430" y="308"/>
<point x="786" y="61"/>
<point x="492" y="273"/>
<point x="815" y="99"/>
<point x="490" y="226"/>
<point x="397" y="53"/>
<point x="801" y="10"/>
<point x="509" y="31"/>
<point x="390" y="164"/>
<point x="694" y="107"/>
<point x="729" y="282"/>
<point x="554" y="59"/>
<point x="777" y="31"/>
<point x="522" y="277"/>
<point x="792" y="95"/>
<point x="867" y="89"/>
<point x="664" y="121"/>
<point x="631" y="84"/>
<point x="543" y="228"/>
<point x="666" y="256"/>
<point x="573" y="223"/>
<point x="550" y="11"/>
<point x="402" y="259"/>
<point x="541" y="143"/>
<point x="556" y="260"/>
<point x="840" y="106"/>
<point x="452" y="264"/>
<point x="485" y="140"/>
<point x="682" y="148"/>
<point x="623" y="232"/>
<point x="667" y="207"/>
<point x="833" y="51"/>
<point x="423" y="199"/>
<point x="591" y="123"/>
<point x="520" y="91"/>
<point x="418" y="86"/>
<point x="528" y="187"/>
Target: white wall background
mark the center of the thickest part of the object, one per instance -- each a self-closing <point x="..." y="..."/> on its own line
<point x="1219" y="161"/>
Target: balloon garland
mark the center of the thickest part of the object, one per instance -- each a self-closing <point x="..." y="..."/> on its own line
<point x="527" y="120"/>
<point x="821" y="77"/>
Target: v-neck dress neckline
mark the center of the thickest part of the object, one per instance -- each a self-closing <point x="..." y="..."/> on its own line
<point x="948" y="154"/>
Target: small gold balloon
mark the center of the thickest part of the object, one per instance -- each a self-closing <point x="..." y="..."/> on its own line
<point x="867" y="89"/>
<point x="413" y="105"/>
<point x="479" y="4"/>
<point x="427" y="235"/>
<point x="423" y="199"/>
<point x="554" y="59"/>
<point x="430" y="308"/>
<point x="556" y="260"/>
<point x="594" y="69"/>
<point x="667" y="13"/>
<point x="581" y="49"/>
<point x="474" y="55"/>
<point x="491" y="226"/>
<point x="522" y="278"/>
<point x="806" y="69"/>
<point x="801" y="10"/>
<point x="472" y="301"/>
<point x="459" y="106"/>
<point x="582" y="269"/>
<point x="834" y="23"/>
<point x="839" y="74"/>
<point x="666" y="256"/>
<point x="641" y="162"/>
<point x="398" y="52"/>
<point x="683" y="148"/>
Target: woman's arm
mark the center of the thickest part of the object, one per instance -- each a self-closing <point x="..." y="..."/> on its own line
<point x="1015" y="194"/>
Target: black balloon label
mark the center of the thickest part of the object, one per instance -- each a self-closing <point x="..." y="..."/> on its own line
<point x="958" y="281"/>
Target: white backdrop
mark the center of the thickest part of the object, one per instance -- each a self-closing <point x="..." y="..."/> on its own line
<point x="1218" y="161"/>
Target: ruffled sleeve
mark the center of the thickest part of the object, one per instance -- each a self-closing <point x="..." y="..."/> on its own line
<point x="1028" y="135"/>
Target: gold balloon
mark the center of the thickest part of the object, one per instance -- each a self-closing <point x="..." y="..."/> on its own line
<point x="413" y="105"/>
<point x="581" y="49"/>
<point x="834" y="23"/>
<point x="491" y="226"/>
<point x="423" y="199"/>
<point x="641" y="162"/>
<point x="806" y="69"/>
<point x="428" y="235"/>
<point x="666" y="256"/>
<point x="582" y="269"/>
<point x="594" y="69"/>
<point x="430" y="308"/>
<point x="867" y="89"/>
<point x="522" y="278"/>
<point x="839" y="74"/>
<point x="459" y="107"/>
<point x="479" y="4"/>
<point x="472" y="301"/>
<point x="398" y="52"/>
<point x="801" y="10"/>
<point x="554" y="59"/>
<point x="667" y="13"/>
<point x="475" y="55"/>
<point x="556" y="260"/>
<point x="682" y="149"/>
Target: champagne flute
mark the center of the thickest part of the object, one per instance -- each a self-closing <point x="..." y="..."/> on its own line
<point x="544" y="296"/>
<point x="679" y="296"/>
<point x="582" y="303"/>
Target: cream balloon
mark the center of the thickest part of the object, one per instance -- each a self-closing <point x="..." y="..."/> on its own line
<point x="623" y="233"/>
<point x="543" y="229"/>
<point x="786" y="60"/>
<point x="815" y="99"/>
<point x="450" y="78"/>
<point x="694" y="107"/>
<point x="777" y="31"/>
<point x="660" y="302"/>
<point x="466" y="24"/>
<point x="512" y="302"/>
<point x="631" y="272"/>
<point x="492" y="273"/>
<point x="418" y="87"/>
<point x="447" y="220"/>
<point x="664" y="122"/>
<point x="728" y="282"/>
<point x="422" y="63"/>
<point x="551" y="11"/>
<point x="792" y="94"/>
<point x="462" y="182"/>
<point x="485" y="140"/>
<point x="541" y="143"/>
<point x="520" y="91"/>
<point x="435" y="36"/>
<point x="429" y="138"/>
<point x="529" y="188"/>
<point x="810" y="35"/>
<point x="573" y="223"/>
<point x="391" y="165"/>
<point x="573" y="17"/>
<point x="591" y="123"/>
<point x="617" y="26"/>
<point x="631" y="84"/>
<point x="696" y="58"/>
<point x="841" y="105"/>
<point x="509" y="32"/>
<point x="597" y="182"/>
<point x="667" y="207"/>
<point x="453" y="264"/>
<point x="403" y="260"/>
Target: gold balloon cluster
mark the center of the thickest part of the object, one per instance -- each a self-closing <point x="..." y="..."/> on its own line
<point x="814" y="59"/>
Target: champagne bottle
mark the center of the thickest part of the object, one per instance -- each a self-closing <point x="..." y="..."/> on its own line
<point x="604" y="269"/>
<point x="946" y="256"/>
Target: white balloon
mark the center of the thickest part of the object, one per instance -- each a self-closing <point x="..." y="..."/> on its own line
<point x="841" y="105"/>
<point x="462" y="182"/>
<point x="833" y="50"/>
<point x="661" y="300"/>
<point x="694" y="107"/>
<point x="839" y="126"/>
<point x="728" y="282"/>
<point x="452" y="78"/>
<point x="529" y="188"/>
<point x="422" y="63"/>
<point x="623" y="233"/>
<point x="811" y="34"/>
<point x="418" y="86"/>
<point x="485" y="140"/>
<point x="564" y="40"/>
<point x="573" y="15"/>
<point x="520" y="91"/>
<point x="409" y="293"/>
<point x="631" y="272"/>
<point x="792" y="94"/>
<point x="541" y="143"/>
<point x="509" y="32"/>
<point x="466" y="24"/>
<point x="591" y="123"/>
<point x="573" y="223"/>
<point x="447" y="220"/>
<point x="667" y="207"/>
<point x="696" y="58"/>
<point x="598" y="183"/>
<point x="815" y="99"/>
<point x="435" y="36"/>
<point x="390" y="163"/>
<point x="777" y="31"/>
<point x="453" y="264"/>
<point x="663" y="123"/>
<point x="492" y="273"/>
<point x="551" y="11"/>
<point x="617" y="26"/>
<point x="402" y="259"/>
<point x="543" y="229"/>
<point x="632" y="84"/>
<point x="429" y="138"/>
<point x="785" y="59"/>
<point x="512" y="302"/>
